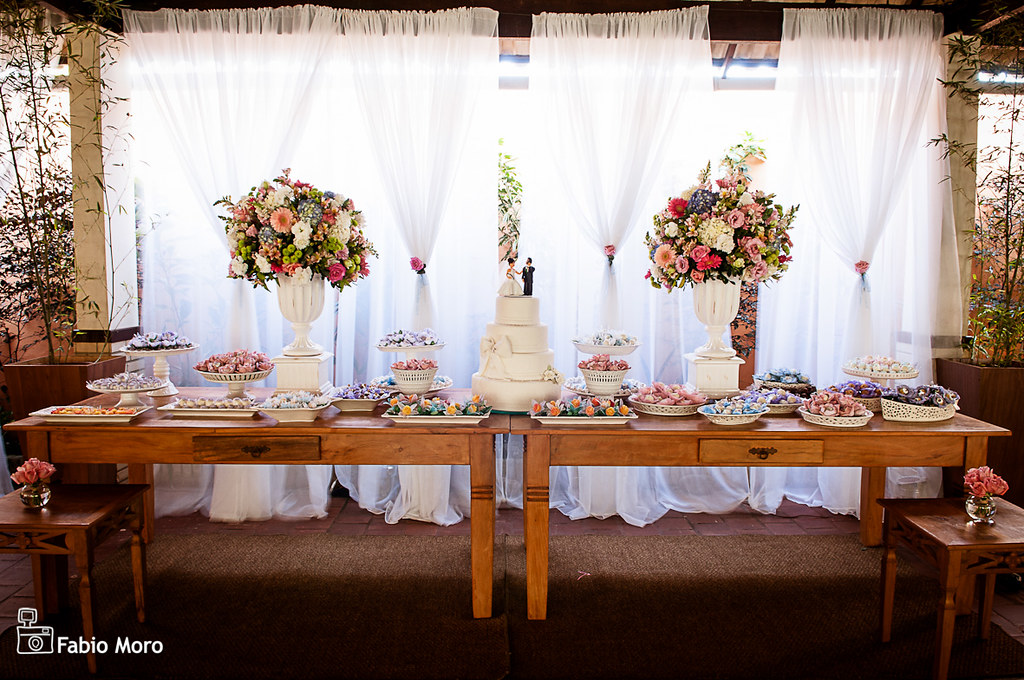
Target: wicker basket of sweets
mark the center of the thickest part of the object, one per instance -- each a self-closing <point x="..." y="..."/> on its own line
<point x="921" y="404"/>
<point x="662" y="399"/>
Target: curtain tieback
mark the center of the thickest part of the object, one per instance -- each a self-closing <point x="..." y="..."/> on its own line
<point x="418" y="265"/>
<point x="861" y="267"/>
<point x="609" y="252"/>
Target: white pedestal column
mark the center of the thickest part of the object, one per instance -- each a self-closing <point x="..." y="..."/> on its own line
<point x="715" y="378"/>
<point x="312" y="373"/>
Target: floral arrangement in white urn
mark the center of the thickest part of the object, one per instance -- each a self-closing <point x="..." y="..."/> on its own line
<point x="288" y="228"/>
<point x="719" y="230"/>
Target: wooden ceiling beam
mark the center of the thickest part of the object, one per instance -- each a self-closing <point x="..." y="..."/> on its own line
<point x="729" y="20"/>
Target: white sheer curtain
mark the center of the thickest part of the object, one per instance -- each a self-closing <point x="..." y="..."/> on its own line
<point x="423" y="81"/>
<point x="225" y="94"/>
<point x="865" y="97"/>
<point x="608" y="94"/>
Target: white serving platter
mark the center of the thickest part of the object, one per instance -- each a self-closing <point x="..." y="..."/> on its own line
<point x="50" y="417"/>
<point x="591" y="421"/>
<point x="293" y="415"/>
<point x="194" y="412"/>
<point x="437" y="420"/>
<point x="356" y="404"/>
<point x="610" y="350"/>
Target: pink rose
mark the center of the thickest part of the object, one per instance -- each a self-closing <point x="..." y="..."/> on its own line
<point x="759" y="271"/>
<point x="700" y="252"/>
<point x="861" y="267"/>
<point x="697" y="276"/>
<point x="336" y="272"/>
<point x="752" y="248"/>
<point x="735" y="219"/>
<point x="417" y="265"/>
<point x="682" y="264"/>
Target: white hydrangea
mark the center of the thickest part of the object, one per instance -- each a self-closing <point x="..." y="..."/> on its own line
<point x="262" y="264"/>
<point x="238" y="266"/>
<point x="303" y="275"/>
<point x="689" y="192"/>
<point x="710" y="231"/>
<point x="302" y="232"/>
<point x="724" y="243"/>
<point x="342" y="229"/>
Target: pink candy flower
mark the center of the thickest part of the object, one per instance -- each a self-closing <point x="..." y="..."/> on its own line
<point x="282" y="220"/>
<point x="33" y="471"/>
<point x="414" y="365"/>
<point x="981" y="481"/>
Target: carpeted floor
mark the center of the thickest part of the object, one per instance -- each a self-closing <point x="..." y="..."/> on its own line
<point x="324" y="606"/>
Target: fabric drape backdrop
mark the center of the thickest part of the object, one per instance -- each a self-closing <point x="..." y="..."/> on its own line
<point x="863" y="88"/>
<point x="231" y="89"/>
<point x="421" y="80"/>
<point x="609" y="94"/>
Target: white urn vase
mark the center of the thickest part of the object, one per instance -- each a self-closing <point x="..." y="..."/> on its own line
<point x="716" y="303"/>
<point x="301" y="305"/>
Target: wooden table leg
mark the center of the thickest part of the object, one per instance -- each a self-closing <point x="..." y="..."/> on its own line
<point x="949" y="578"/>
<point x="142" y="473"/>
<point x="481" y="473"/>
<point x="988" y="593"/>
<point x="872" y="487"/>
<point x="83" y="552"/>
<point x="888" y="581"/>
<point x="536" y="473"/>
<point x="50" y="581"/>
<point x="138" y="550"/>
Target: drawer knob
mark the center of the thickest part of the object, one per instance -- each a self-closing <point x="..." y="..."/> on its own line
<point x="762" y="452"/>
<point x="255" y="451"/>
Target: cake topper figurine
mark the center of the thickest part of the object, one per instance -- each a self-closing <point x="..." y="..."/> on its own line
<point x="528" y="277"/>
<point x="511" y="287"/>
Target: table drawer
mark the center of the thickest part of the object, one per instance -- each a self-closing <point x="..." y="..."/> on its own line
<point x="210" y="449"/>
<point x="761" y="452"/>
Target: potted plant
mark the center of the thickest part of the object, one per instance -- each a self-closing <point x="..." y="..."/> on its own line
<point x="990" y="377"/>
<point x="37" y="268"/>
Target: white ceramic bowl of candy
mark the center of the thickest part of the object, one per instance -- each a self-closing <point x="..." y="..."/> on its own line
<point x="295" y="407"/>
<point x="732" y="411"/>
<point x="834" y="409"/>
<point x="661" y="399"/>
<point x="866" y="392"/>
<point x="359" y="397"/>
<point x="778" y="401"/>
<point x="614" y="343"/>
<point x="414" y="376"/>
<point x="603" y="374"/>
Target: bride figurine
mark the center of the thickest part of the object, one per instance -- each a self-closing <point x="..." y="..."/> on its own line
<point x="511" y="287"/>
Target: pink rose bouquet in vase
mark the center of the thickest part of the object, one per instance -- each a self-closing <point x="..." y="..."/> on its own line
<point x="981" y="484"/>
<point x="716" y="235"/>
<point x="298" y="236"/>
<point x="35" y="475"/>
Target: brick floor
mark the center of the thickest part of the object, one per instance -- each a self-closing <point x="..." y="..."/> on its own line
<point x="346" y="518"/>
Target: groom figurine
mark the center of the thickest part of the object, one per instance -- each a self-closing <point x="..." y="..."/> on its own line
<point x="528" y="277"/>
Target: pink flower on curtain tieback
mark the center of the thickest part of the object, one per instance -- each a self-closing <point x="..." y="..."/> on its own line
<point x="609" y="252"/>
<point x="861" y="267"/>
<point x="418" y="265"/>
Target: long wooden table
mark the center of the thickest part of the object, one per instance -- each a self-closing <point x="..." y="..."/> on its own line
<point x="335" y="438"/>
<point x="780" y="441"/>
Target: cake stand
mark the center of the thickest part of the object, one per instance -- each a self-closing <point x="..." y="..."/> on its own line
<point x="412" y="351"/>
<point x="161" y="369"/>
<point x="236" y="382"/>
<point x="129" y="397"/>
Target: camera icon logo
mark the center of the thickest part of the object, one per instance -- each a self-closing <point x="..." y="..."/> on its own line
<point x="33" y="639"/>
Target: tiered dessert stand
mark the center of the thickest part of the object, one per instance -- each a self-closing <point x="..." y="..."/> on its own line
<point x="610" y="350"/>
<point x="129" y="396"/>
<point x="885" y="379"/>
<point x="161" y="369"/>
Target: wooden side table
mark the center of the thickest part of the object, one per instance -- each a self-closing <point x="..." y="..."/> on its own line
<point x="78" y="518"/>
<point x="939" y="531"/>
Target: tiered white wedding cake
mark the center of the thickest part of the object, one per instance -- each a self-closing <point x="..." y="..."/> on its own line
<point x="516" y="364"/>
